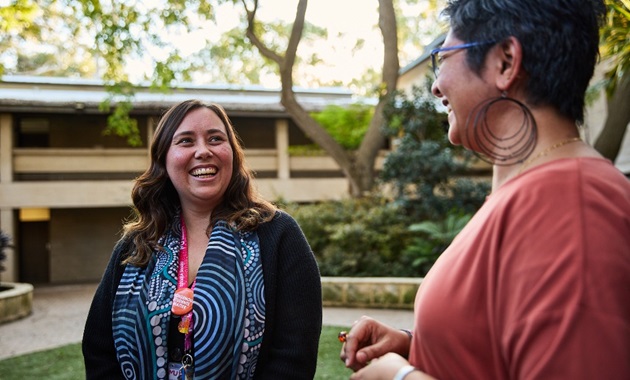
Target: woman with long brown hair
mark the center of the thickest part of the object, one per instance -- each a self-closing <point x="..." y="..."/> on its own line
<point x="209" y="280"/>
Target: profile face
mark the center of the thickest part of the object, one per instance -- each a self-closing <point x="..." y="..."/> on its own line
<point x="460" y="89"/>
<point x="199" y="160"/>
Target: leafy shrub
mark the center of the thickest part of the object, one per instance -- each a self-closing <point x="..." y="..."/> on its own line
<point x="5" y="242"/>
<point x="433" y="238"/>
<point x="425" y="170"/>
<point x="371" y="237"/>
<point x="427" y="174"/>
<point x="347" y="125"/>
<point x="309" y="150"/>
<point x="357" y="237"/>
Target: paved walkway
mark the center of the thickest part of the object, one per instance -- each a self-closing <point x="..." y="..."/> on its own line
<point x="59" y="314"/>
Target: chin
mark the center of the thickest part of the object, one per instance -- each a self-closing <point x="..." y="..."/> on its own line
<point x="454" y="135"/>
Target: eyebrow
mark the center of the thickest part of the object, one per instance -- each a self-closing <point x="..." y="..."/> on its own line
<point x="208" y="132"/>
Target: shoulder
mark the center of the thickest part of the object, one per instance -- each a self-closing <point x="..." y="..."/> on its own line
<point x="124" y="248"/>
<point x="567" y="184"/>
<point x="572" y="208"/>
<point x="576" y="206"/>
<point x="283" y="231"/>
<point x="281" y="220"/>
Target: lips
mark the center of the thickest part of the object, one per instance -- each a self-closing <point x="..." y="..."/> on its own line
<point x="204" y="172"/>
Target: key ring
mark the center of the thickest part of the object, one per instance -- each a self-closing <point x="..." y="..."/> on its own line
<point x="187" y="360"/>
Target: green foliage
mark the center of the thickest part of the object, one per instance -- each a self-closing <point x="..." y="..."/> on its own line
<point x="234" y="60"/>
<point x="426" y="173"/>
<point x="443" y="231"/>
<point x="414" y="117"/>
<point x="49" y="64"/>
<point x="615" y="35"/>
<point x="356" y="237"/>
<point x="433" y="238"/>
<point x="425" y="170"/>
<point x="166" y="75"/>
<point x="17" y="16"/>
<point x="17" y="25"/>
<point x="373" y="237"/>
<point x="5" y="243"/>
<point x="41" y="38"/>
<point x="347" y="125"/>
<point x="306" y="150"/>
<point x="119" y="122"/>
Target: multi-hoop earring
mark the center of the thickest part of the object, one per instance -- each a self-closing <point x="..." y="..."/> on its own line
<point x="497" y="147"/>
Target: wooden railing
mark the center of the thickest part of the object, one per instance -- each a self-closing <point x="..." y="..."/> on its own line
<point x="99" y="177"/>
<point x="98" y="160"/>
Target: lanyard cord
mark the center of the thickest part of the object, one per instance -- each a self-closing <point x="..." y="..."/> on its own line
<point x="182" y="282"/>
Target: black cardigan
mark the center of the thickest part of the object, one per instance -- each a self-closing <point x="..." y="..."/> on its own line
<point x="293" y="308"/>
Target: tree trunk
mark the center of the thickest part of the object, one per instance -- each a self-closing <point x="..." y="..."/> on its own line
<point x="373" y="141"/>
<point x="609" y="141"/>
<point x="358" y="168"/>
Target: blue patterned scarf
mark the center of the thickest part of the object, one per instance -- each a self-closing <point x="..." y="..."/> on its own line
<point x="228" y="308"/>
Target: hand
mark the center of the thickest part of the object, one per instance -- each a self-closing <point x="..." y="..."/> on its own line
<point x="381" y="368"/>
<point x="369" y="339"/>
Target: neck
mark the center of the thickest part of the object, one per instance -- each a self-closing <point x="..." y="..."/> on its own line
<point x="196" y="220"/>
<point x="555" y="137"/>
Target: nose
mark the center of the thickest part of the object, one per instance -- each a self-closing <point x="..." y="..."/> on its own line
<point x="435" y="90"/>
<point x="202" y="151"/>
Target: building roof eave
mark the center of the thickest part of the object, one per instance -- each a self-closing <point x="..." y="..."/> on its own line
<point x="44" y="94"/>
<point x="426" y="53"/>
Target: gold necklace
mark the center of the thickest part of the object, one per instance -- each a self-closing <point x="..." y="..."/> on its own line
<point x="546" y="152"/>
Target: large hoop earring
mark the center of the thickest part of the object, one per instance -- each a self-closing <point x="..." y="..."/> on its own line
<point x="495" y="148"/>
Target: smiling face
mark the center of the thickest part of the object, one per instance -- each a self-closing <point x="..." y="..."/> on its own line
<point x="199" y="160"/>
<point x="460" y="89"/>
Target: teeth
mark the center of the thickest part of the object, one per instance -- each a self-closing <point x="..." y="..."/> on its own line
<point x="204" y="171"/>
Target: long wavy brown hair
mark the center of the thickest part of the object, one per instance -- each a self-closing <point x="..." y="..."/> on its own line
<point x="156" y="201"/>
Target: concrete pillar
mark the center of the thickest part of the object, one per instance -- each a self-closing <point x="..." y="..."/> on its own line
<point x="6" y="148"/>
<point x="7" y="221"/>
<point x="282" y="147"/>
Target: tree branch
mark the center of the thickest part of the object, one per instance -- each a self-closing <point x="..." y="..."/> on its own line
<point x="251" y="34"/>
<point x="296" y="33"/>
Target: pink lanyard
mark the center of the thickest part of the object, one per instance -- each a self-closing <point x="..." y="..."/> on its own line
<point x="186" y="324"/>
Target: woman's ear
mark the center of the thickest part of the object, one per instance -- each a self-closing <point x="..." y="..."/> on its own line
<point x="509" y="56"/>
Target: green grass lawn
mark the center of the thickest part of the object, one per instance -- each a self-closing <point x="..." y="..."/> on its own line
<point x="66" y="363"/>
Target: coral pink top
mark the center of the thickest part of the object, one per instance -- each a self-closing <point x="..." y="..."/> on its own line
<point x="537" y="285"/>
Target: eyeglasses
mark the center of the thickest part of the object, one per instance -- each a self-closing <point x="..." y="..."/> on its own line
<point x="436" y="60"/>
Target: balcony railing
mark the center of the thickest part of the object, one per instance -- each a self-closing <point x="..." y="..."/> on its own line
<point x="47" y="177"/>
<point x="46" y="160"/>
